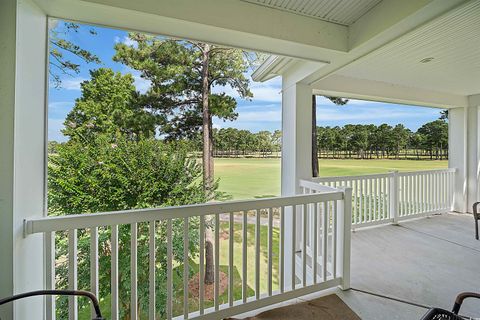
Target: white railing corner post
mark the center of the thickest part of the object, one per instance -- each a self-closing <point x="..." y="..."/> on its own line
<point x="344" y="231"/>
<point x="454" y="190"/>
<point x="394" y="191"/>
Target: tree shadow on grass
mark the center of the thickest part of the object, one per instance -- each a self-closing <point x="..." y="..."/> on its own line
<point x="263" y="196"/>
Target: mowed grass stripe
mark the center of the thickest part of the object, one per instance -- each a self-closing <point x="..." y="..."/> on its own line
<point x="259" y="178"/>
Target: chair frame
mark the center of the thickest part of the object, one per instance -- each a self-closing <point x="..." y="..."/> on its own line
<point x="476" y="217"/>
<point x="437" y="313"/>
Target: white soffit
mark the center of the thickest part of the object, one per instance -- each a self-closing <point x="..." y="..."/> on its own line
<point x="448" y="46"/>
<point x="343" y="12"/>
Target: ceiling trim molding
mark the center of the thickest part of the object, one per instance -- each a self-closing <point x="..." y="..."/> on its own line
<point x="362" y="89"/>
<point x="474" y="100"/>
<point x="228" y="22"/>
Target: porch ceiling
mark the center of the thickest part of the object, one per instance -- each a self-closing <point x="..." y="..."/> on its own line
<point x="344" y="12"/>
<point x="434" y="62"/>
<point x="442" y="56"/>
<point x="381" y="41"/>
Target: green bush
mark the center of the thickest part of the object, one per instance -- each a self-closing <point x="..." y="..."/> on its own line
<point x="102" y="176"/>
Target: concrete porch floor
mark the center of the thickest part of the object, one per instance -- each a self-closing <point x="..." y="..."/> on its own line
<point x="425" y="261"/>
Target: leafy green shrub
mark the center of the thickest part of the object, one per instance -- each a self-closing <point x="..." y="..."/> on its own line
<point x="102" y="176"/>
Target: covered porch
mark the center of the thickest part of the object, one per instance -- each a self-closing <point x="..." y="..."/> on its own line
<point x="422" y="53"/>
<point x="398" y="269"/>
<point x="426" y="261"/>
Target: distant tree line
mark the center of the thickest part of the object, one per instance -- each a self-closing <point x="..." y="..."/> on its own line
<point x="232" y="142"/>
<point x="384" y="141"/>
<point x="430" y="141"/>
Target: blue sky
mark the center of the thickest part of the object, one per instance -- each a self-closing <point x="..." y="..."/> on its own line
<point x="263" y="112"/>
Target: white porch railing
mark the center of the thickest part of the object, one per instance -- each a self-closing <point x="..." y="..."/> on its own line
<point x="329" y="268"/>
<point x="394" y="196"/>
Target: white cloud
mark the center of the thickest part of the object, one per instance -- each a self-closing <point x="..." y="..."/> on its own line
<point x="266" y="93"/>
<point x="370" y="112"/>
<point x="72" y="83"/>
<point x="141" y="84"/>
<point x="269" y="91"/>
<point x="125" y="40"/>
<point x="260" y="116"/>
<point x="55" y="127"/>
<point x="254" y="118"/>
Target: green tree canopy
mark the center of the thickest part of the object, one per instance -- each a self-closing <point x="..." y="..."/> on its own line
<point x="101" y="176"/>
<point x="109" y="104"/>
<point x="174" y="68"/>
<point x="63" y="52"/>
<point x="436" y="136"/>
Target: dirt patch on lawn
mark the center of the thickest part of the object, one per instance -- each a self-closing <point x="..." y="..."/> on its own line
<point x="209" y="289"/>
<point x="223" y="234"/>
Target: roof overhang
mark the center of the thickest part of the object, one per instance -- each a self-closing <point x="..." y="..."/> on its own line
<point x="272" y="67"/>
<point x="320" y="44"/>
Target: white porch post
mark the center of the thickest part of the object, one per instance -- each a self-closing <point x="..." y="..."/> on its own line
<point x="472" y="156"/>
<point x="7" y="96"/>
<point x="464" y="152"/>
<point x="457" y="140"/>
<point x="22" y="152"/>
<point x="296" y="158"/>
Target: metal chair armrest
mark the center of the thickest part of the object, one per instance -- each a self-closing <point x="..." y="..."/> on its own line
<point x="462" y="296"/>
<point x="475" y="209"/>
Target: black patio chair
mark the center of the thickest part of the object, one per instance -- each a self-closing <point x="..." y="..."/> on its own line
<point x="441" y="314"/>
<point x="476" y="217"/>
<point x="81" y="293"/>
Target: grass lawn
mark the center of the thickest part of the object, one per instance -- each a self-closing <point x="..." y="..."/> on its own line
<point x="260" y="178"/>
<point x="237" y="262"/>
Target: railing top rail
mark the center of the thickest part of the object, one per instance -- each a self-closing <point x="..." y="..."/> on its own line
<point x="412" y="173"/>
<point x="380" y="175"/>
<point x="363" y="176"/>
<point x="80" y="221"/>
<point x="317" y="187"/>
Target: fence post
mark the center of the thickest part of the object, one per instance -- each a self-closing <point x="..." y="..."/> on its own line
<point x="344" y="232"/>
<point x="393" y="194"/>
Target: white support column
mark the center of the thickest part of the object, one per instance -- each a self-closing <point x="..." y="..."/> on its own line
<point x="23" y="29"/>
<point x="296" y="156"/>
<point x="464" y="154"/>
<point x="472" y="155"/>
<point x="457" y="139"/>
<point x="296" y="137"/>
<point x="7" y="102"/>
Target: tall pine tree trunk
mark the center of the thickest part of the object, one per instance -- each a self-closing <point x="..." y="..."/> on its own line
<point x="211" y="173"/>
<point x="207" y="161"/>
<point x="206" y="126"/>
<point x="314" y="138"/>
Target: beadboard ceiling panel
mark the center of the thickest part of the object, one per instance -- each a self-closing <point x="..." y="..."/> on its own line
<point x="443" y="55"/>
<point x="343" y="12"/>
